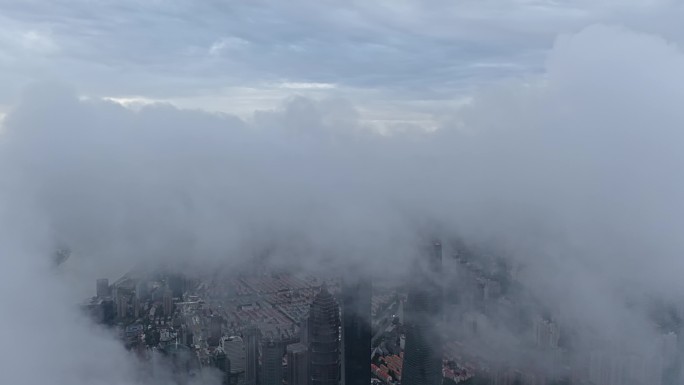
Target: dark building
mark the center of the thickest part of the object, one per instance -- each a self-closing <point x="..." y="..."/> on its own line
<point x="271" y="363"/>
<point x="108" y="311"/>
<point x="324" y="340"/>
<point x="102" y="288"/>
<point x="222" y="363"/>
<point x="167" y="302"/>
<point x="251" y="340"/>
<point x="356" y="331"/>
<point x="176" y="283"/>
<point x="215" y="330"/>
<point x="297" y="365"/>
<point x="423" y="346"/>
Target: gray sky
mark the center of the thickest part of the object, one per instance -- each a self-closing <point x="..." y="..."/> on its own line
<point x="400" y="59"/>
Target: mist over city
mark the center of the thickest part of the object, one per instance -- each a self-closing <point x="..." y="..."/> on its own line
<point x="342" y="193"/>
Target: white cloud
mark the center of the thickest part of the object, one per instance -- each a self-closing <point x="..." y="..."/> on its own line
<point x="227" y="44"/>
<point x="134" y="102"/>
<point x="432" y="49"/>
<point x="307" y="86"/>
<point x="37" y="42"/>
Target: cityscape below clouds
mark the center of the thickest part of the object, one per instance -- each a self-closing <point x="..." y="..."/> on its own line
<point x="342" y="193"/>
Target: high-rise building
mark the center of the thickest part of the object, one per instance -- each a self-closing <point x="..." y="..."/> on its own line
<point x="304" y="332"/>
<point x="121" y="306"/>
<point x="356" y="331"/>
<point x="141" y="289"/>
<point x="215" y="330"/>
<point x="235" y="350"/>
<point x="167" y="301"/>
<point x="103" y="287"/>
<point x="297" y="365"/>
<point x="176" y="283"/>
<point x="136" y="307"/>
<point x="271" y="362"/>
<point x="324" y="340"/>
<point x="222" y="363"/>
<point x="251" y="340"/>
<point x="423" y="346"/>
<point x="546" y="333"/>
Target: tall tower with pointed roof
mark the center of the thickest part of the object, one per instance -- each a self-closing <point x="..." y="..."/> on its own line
<point x="324" y="339"/>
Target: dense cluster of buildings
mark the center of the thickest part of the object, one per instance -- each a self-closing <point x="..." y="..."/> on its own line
<point x="284" y="329"/>
<point x="277" y="328"/>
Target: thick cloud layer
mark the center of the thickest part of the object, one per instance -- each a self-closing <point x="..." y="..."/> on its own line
<point x="573" y="174"/>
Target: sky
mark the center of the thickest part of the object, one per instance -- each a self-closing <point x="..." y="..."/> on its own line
<point x="204" y="133"/>
<point x="401" y="60"/>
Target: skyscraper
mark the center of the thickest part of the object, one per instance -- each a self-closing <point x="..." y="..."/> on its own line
<point x="324" y="340"/>
<point x="423" y="350"/>
<point x="136" y="307"/>
<point x="235" y="350"/>
<point x="176" y="283"/>
<point x="271" y="362"/>
<point x="215" y="330"/>
<point x="121" y="305"/>
<point x="167" y="302"/>
<point x="102" y="287"/>
<point x="251" y="339"/>
<point x="356" y="331"/>
<point x="297" y="365"/>
<point x="222" y="363"/>
<point x="142" y="289"/>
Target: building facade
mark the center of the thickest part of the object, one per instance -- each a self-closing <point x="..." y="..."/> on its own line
<point x="271" y="363"/>
<point x="324" y="340"/>
<point x="102" y="288"/>
<point x="297" y="365"/>
<point x="423" y="346"/>
<point x="235" y="351"/>
<point x="251" y="339"/>
<point x="356" y="331"/>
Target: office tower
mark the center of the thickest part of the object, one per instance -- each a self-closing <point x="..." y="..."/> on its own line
<point x="324" y="340"/>
<point x="235" y="350"/>
<point x="546" y="333"/>
<point x="215" y="330"/>
<point x="251" y="340"/>
<point x="102" y="287"/>
<point x="271" y="362"/>
<point x="356" y="331"/>
<point x="167" y="301"/>
<point x="141" y="289"/>
<point x="423" y="350"/>
<point x="304" y="332"/>
<point x="121" y="306"/>
<point x="136" y="307"/>
<point x="109" y="311"/>
<point x="176" y="283"/>
<point x="297" y="365"/>
<point x="222" y="363"/>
